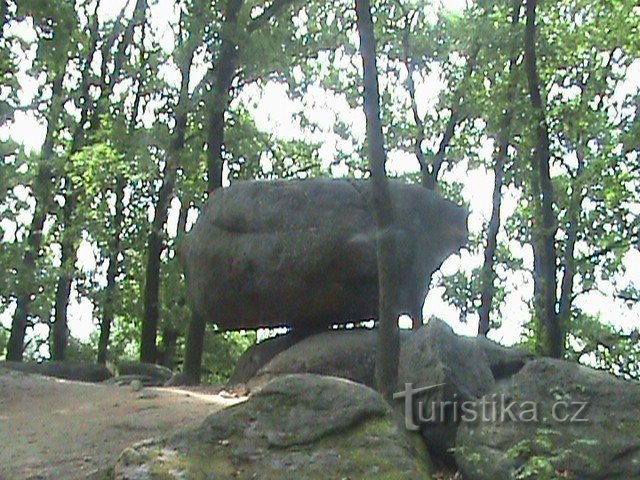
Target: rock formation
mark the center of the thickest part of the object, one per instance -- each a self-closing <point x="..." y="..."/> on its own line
<point x="303" y="253"/>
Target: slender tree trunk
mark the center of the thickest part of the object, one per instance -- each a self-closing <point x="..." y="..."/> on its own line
<point x="430" y="177"/>
<point x="544" y="227"/>
<point x="224" y="74"/>
<point x="169" y="343"/>
<point x="112" y="274"/>
<point x="155" y="242"/>
<point x="573" y="226"/>
<point x="193" y="348"/>
<point x="4" y="11"/>
<point x="155" y="245"/>
<point x="69" y="240"/>
<point x="388" y="346"/>
<point x="182" y="217"/>
<point x="223" y="80"/>
<point x="43" y="194"/>
<point x="111" y="291"/>
<point x="63" y="289"/>
<point x="488" y="274"/>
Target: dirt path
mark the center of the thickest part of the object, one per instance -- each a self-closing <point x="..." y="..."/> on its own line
<point x="57" y="429"/>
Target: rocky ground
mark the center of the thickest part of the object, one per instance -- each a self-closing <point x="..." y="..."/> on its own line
<point x="58" y="429"/>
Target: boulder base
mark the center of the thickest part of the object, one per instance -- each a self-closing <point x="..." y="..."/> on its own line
<point x="78" y="371"/>
<point x="306" y="427"/>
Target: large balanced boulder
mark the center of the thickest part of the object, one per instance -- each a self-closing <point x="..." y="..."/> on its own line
<point x="553" y="419"/>
<point x="68" y="370"/>
<point x="306" y="427"/>
<point x="302" y="253"/>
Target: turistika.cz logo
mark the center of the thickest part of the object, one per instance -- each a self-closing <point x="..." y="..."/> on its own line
<point x="490" y="408"/>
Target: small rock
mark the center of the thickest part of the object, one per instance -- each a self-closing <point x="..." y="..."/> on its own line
<point x="136" y="385"/>
<point x="148" y="395"/>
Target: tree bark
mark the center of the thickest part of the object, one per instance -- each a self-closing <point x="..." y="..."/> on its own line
<point x="224" y="74"/>
<point x="111" y="292"/>
<point x="63" y="290"/>
<point x="169" y="343"/>
<point x="388" y="346"/>
<point x="4" y="11"/>
<point x="69" y="240"/>
<point x="43" y="196"/>
<point x="543" y="223"/>
<point x="568" y="275"/>
<point x="155" y="242"/>
<point x="108" y="314"/>
<point x="194" y="344"/>
<point x="488" y="274"/>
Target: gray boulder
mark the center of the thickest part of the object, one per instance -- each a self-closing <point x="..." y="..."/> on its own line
<point x="78" y="371"/>
<point x="503" y="361"/>
<point x="258" y="355"/>
<point x="349" y="354"/>
<point x="306" y="427"/>
<point x="150" y="374"/>
<point x="554" y="418"/>
<point x="181" y="379"/>
<point x="302" y="253"/>
<point x="458" y="370"/>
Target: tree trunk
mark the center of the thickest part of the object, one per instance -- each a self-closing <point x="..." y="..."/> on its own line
<point x="169" y="343"/>
<point x="222" y="83"/>
<point x="155" y="242"/>
<point x="194" y="344"/>
<point x="111" y="292"/>
<point x="69" y="241"/>
<point x="388" y="346"/>
<point x="223" y="80"/>
<point x="488" y="274"/>
<point x="43" y="193"/>
<point x="63" y="290"/>
<point x="543" y="223"/>
<point x="4" y="11"/>
<point x="573" y="225"/>
<point x="112" y="274"/>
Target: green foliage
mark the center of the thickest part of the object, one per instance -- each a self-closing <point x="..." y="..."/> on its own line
<point x="119" y="110"/>
<point x="221" y="352"/>
<point x="595" y="342"/>
<point x="540" y="456"/>
<point x="80" y="351"/>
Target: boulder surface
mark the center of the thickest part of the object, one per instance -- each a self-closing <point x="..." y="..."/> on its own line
<point x="68" y="370"/>
<point x="349" y="354"/>
<point x="554" y="417"/>
<point x="306" y="427"/>
<point x="452" y="369"/>
<point x="303" y="253"/>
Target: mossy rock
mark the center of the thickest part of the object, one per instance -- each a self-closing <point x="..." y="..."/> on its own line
<point x="554" y="419"/>
<point x="299" y="427"/>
